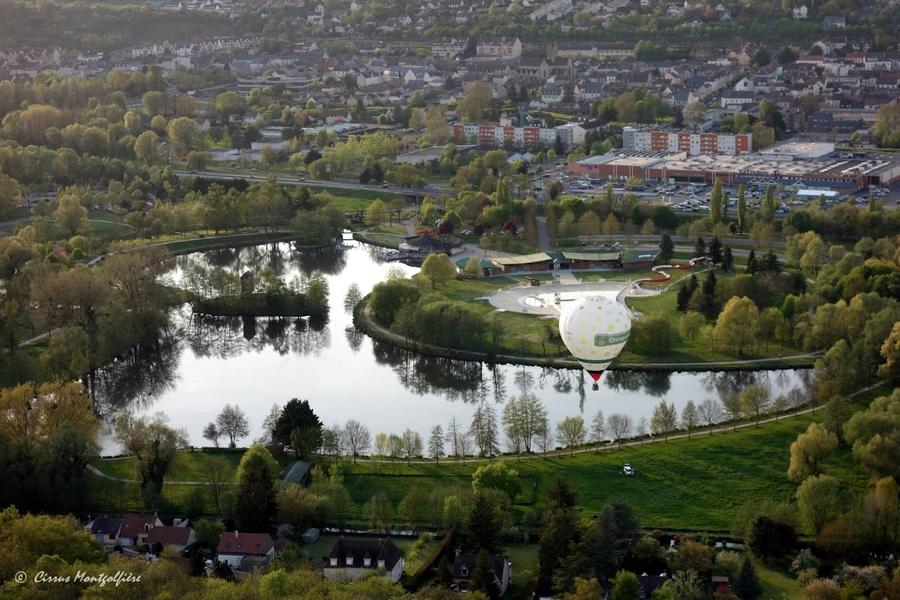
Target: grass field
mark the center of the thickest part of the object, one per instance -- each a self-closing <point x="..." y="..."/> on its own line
<point x="776" y="584"/>
<point x="356" y="200"/>
<point x="695" y="484"/>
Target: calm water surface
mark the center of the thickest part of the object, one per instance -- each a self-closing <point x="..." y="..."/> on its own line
<point x="205" y="363"/>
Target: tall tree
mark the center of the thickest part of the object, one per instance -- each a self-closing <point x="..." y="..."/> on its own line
<point x="232" y="422"/>
<point x="255" y="503"/>
<point x="715" y="251"/>
<point x="809" y="449"/>
<point x="715" y="203"/>
<point x="727" y="260"/>
<point x="212" y="434"/>
<point x="71" y="214"/>
<point x="355" y="438"/>
<point x="571" y="432"/>
<point x="819" y="500"/>
<point x="619" y="427"/>
<point x="710" y="412"/>
<point x="666" y="248"/>
<point x="484" y="527"/>
<point x="436" y="443"/>
<point x="411" y="444"/>
<point x="559" y="526"/>
<point x="747" y="585"/>
<point x="298" y="415"/>
<point x="598" y="428"/>
<point x="438" y="269"/>
<point x="755" y="400"/>
<point x="664" y="420"/>
<point x="484" y="430"/>
<point x="155" y="445"/>
<point x="689" y="417"/>
<point x="476" y="102"/>
<point x="741" y="209"/>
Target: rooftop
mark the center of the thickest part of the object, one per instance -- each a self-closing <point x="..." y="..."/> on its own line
<point x="524" y="259"/>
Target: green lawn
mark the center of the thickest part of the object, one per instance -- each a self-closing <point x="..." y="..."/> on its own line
<point x="188" y="466"/>
<point x="524" y="560"/>
<point x="349" y="201"/>
<point x="777" y="584"/>
<point x="695" y="484"/>
<point x="395" y="229"/>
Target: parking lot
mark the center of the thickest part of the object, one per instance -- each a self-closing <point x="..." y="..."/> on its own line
<point x="694" y="198"/>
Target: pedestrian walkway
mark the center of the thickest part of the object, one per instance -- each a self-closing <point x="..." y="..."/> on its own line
<point x="567" y="278"/>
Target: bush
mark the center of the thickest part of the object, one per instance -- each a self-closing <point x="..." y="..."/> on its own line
<point x="651" y="335"/>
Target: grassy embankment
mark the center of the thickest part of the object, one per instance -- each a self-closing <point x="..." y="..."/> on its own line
<point x="686" y="484"/>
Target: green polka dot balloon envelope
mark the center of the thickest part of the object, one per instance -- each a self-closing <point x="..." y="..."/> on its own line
<point x="595" y="330"/>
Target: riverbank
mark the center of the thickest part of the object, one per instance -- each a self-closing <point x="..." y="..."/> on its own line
<point x="364" y="320"/>
<point x="689" y="483"/>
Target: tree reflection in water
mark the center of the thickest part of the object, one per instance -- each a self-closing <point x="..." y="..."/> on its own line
<point x="355" y="337"/>
<point x="136" y="378"/>
<point x="280" y="258"/>
<point x="727" y="383"/>
<point x="223" y="337"/>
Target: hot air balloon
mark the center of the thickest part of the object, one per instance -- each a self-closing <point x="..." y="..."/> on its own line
<point x="595" y="329"/>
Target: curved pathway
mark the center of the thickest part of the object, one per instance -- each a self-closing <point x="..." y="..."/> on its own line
<point x="662" y="271"/>
<point x="612" y="446"/>
<point x="100" y="473"/>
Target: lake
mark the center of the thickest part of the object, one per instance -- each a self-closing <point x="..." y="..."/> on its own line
<point x="205" y="363"/>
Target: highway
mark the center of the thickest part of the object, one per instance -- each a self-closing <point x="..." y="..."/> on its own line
<point x="428" y="190"/>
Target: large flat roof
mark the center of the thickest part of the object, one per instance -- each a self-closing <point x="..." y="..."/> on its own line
<point x="523" y="259"/>
<point x="800" y="149"/>
<point x="748" y="164"/>
<point x="590" y="255"/>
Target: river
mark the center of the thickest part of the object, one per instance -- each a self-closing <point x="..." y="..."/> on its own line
<point x="206" y="363"/>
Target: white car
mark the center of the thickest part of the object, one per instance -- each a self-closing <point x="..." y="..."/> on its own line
<point x="627" y="470"/>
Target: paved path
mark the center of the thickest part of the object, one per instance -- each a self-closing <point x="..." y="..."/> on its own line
<point x="100" y="473"/>
<point x="288" y="179"/>
<point x="542" y="235"/>
<point x="720" y="428"/>
<point x="30" y="340"/>
<point x="566" y="277"/>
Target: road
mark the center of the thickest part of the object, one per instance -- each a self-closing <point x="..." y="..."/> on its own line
<point x="428" y="190"/>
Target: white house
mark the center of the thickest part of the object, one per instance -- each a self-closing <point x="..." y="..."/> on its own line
<point x="354" y="558"/>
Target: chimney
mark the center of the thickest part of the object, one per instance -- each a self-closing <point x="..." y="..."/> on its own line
<point x="235" y="534"/>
